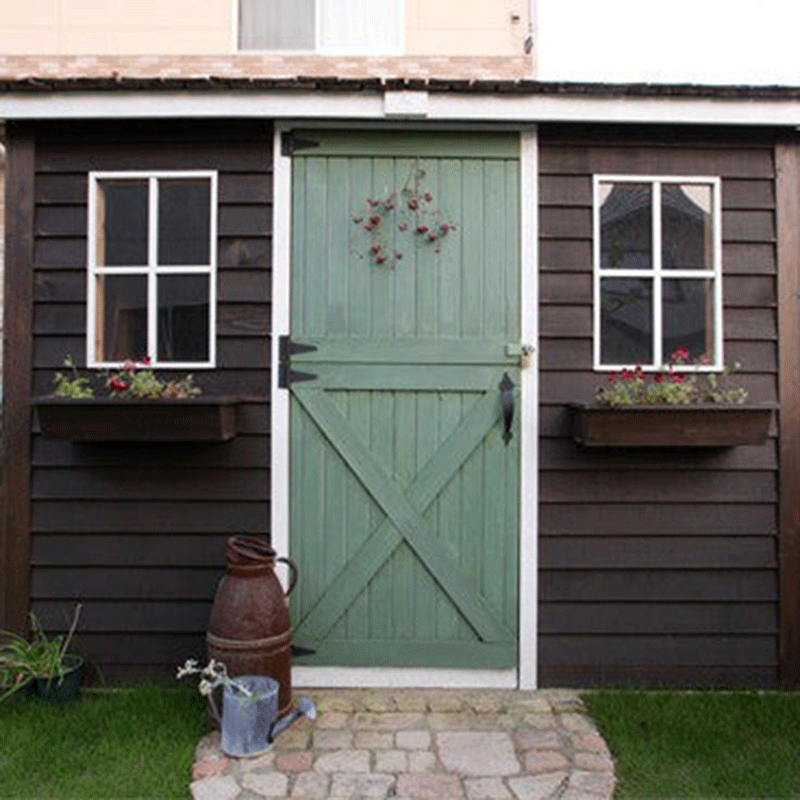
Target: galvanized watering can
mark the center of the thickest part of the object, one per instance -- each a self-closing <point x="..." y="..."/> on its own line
<point x="249" y="724"/>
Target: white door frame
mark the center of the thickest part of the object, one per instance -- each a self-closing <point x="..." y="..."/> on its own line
<point x="525" y="675"/>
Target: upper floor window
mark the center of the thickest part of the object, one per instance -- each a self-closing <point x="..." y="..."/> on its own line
<point x="152" y="268"/>
<point x="657" y="270"/>
<point x="332" y="26"/>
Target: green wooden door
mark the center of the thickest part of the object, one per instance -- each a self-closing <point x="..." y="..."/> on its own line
<point x="404" y="495"/>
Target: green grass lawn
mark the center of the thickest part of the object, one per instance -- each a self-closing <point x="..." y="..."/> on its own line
<point x="135" y="743"/>
<point x="701" y="744"/>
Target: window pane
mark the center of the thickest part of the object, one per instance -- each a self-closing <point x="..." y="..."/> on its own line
<point x="183" y="317"/>
<point x="688" y="319"/>
<point x="686" y="227"/>
<point x="184" y="221"/>
<point x="276" y="24"/>
<point x="626" y="321"/>
<point x="626" y="226"/>
<point x="121" y="317"/>
<point x="122" y="223"/>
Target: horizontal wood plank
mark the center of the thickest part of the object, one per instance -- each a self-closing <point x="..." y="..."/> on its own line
<point x="147" y="483"/>
<point x="563" y="454"/>
<point x="654" y="552"/>
<point x="128" y="550"/>
<point x="143" y="518"/>
<point x="658" y="519"/>
<point x="623" y="651"/>
<point x="133" y="617"/>
<point x="643" y="160"/>
<point x="657" y="585"/>
<point x="124" y="583"/>
<point x="679" y="486"/>
<point x="589" y="675"/>
<point x="638" y="619"/>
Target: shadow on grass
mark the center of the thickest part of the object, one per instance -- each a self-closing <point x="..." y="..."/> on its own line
<point x="128" y="743"/>
<point x="701" y="745"/>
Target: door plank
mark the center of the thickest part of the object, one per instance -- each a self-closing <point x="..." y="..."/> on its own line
<point x="403" y="513"/>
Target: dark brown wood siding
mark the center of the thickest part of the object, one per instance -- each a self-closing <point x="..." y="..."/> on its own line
<point x="656" y="566"/>
<point x="137" y="531"/>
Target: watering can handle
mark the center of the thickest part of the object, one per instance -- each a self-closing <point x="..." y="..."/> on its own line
<point x="212" y="704"/>
<point x="293" y="573"/>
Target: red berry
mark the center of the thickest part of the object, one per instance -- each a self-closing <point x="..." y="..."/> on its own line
<point x="375" y="219"/>
<point x="413" y="204"/>
<point x="432" y="237"/>
<point x="422" y="228"/>
<point x="428" y="197"/>
<point x="398" y="256"/>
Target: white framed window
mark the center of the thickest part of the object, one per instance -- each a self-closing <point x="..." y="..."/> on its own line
<point x="366" y="27"/>
<point x="152" y="268"/>
<point x="657" y="270"/>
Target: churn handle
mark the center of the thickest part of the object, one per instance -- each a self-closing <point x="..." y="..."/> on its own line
<point x="293" y="573"/>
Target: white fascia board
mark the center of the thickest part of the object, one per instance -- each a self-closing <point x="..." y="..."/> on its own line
<point x="443" y="107"/>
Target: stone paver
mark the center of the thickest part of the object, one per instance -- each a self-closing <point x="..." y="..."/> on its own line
<point x="421" y="745"/>
<point x="477" y="754"/>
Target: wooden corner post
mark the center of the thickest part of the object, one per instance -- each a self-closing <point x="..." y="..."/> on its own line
<point x="17" y="371"/>
<point x="787" y="198"/>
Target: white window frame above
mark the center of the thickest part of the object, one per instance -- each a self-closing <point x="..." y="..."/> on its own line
<point x="322" y="40"/>
<point x="656" y="271"/>
<point x="152" y="268"/>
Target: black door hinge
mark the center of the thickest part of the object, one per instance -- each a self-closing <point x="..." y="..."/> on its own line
<point x="286" y="349"/>
<point x="290" y="144"/>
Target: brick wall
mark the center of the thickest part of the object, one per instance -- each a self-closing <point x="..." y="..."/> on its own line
<point x="256" y="66"/>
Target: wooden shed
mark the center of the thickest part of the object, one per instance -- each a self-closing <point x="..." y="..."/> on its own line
<point x="403" y="312"/>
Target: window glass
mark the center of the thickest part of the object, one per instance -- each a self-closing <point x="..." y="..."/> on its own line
<point x="647" y="229"/>
<point x="626" y="225"/>
<point x="183" y="317"/>
<point x="122" y="223"/>
<point x="152" y="268"/>
<point x="688" y="318"/>
<point x="276" y="24"/>
<point x="626" y="320"/>
<point x="686" y="227"/>
<point x="184" y="221"/>
<point x="121" y="317"/>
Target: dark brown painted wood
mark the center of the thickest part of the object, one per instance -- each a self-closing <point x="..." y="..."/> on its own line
<point x="589" y="675"/>
<point x="787" y="157"/>
<point x="137" y="531"/>
<point x="14" y="569"/>
<point x="656" y="566"/>
<point x="664" y="618"/>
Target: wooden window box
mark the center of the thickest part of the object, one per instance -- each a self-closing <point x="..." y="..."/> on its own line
<point x="669" y="426"/>
<point x="196" y="419"/>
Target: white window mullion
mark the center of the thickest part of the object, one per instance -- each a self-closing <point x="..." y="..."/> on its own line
<point x="716" y="190"/>
<point x="658" y="355"/>
<point x="152" y="262"/>
<point x="598" y="272"/>
<point x="212" y="278"/>
<point x="91" y="284"/>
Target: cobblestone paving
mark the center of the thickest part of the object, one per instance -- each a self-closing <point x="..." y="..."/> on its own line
<point x="421" y="745"/>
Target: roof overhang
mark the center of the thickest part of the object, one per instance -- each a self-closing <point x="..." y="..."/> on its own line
<point x="436" y="101"/>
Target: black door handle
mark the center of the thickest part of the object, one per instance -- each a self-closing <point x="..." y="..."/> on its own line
<point x="507" y="399"/>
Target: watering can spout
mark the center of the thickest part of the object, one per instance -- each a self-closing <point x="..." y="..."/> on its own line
<point x="305" y="708"/>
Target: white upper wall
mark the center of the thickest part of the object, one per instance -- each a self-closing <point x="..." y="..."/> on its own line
<point x="680" y="41"/>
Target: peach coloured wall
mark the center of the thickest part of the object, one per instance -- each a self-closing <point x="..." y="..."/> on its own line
<point x="466" y="27"/>
<point x="76" y="27"/>
<point x="495" y="28"/>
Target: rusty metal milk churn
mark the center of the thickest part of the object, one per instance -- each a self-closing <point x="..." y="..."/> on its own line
<point x="249" y="626"/>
